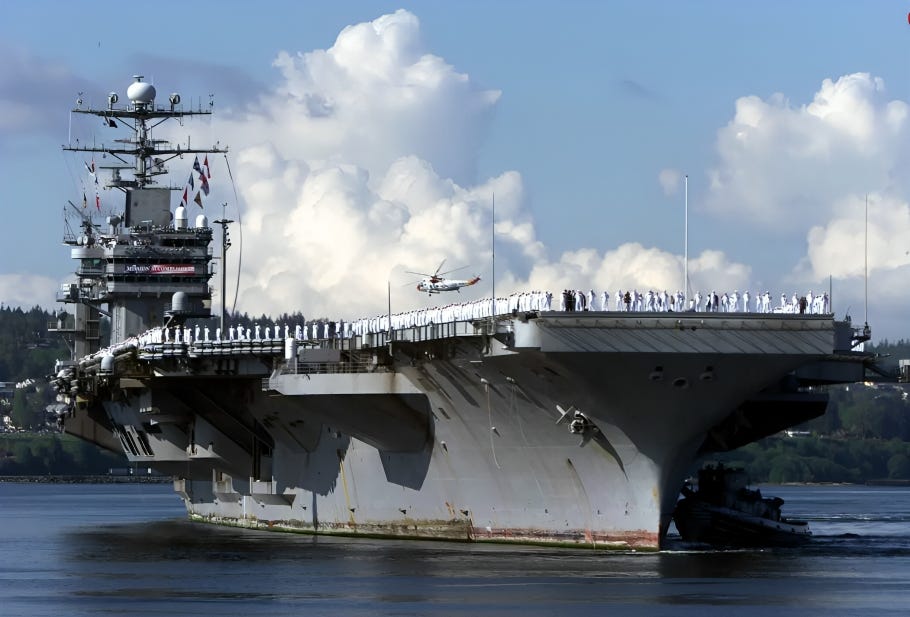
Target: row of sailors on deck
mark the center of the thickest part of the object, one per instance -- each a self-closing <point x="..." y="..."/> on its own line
<point x="325" y="330"/>
<point x="651" y="301"/>
<point x="570" y="300"/>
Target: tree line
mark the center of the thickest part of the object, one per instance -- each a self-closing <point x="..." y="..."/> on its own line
<point x="31" y="454"/>
<point x="863" y="436"/>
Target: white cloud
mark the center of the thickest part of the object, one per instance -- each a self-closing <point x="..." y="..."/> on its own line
<point x="27" y="290"/>
<point x="359" y="169"/>
<point x="633" y="266"/>
<point x="804" y="170"/>
<point x="839" y="248"/>
<point x="371" y="98"/>
<point x="360" y="173"/>
<point x="783" y="166"/>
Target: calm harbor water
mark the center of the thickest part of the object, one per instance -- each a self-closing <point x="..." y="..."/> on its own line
<point x="69" y="550"/>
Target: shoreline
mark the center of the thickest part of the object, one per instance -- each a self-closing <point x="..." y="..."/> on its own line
<point x="871" y="482"/>
<point x="86" y="479"/>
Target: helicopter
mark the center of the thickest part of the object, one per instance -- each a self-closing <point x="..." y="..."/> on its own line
<point x="436" y="283"/>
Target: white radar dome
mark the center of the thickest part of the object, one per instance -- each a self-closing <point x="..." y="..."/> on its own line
<point x="180" y="218"/>
<point x="141" y="92"/>
<point x="201" y="221"/>
<point x="179" y="302"/>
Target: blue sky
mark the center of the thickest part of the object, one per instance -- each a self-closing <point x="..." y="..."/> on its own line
<point x="581" y="116"/>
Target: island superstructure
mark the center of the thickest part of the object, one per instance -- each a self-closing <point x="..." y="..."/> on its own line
<point x="499" y="423"/>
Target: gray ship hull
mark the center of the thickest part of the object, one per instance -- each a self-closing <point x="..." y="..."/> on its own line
<point x="453" y="433"/>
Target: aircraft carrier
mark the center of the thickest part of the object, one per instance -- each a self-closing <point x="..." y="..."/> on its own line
<point x="564" y="428"/>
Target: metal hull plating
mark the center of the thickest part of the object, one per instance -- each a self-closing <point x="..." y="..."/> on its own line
<point x="455" y="436"/>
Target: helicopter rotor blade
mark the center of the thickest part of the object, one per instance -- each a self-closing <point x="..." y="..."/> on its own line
<point x="450" y="271"/>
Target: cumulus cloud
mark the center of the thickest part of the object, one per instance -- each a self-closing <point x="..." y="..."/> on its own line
<point x="805" y="171"/>
<point x="840" y="247"/>
<point x="371" y="98"/>
<point x="359" y="163"/>
<point x="783" y="165"/>
<point x="838" y="253"/>
<point x="633" y="266"/>
<point x="358" y="168"/>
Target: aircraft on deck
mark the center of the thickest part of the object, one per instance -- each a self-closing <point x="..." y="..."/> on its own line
<point x="436" y="283"/>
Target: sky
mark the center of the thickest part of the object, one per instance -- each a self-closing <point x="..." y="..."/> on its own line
<point x="539" y="145"/>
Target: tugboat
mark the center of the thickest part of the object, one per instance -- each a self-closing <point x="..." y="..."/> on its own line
<point x="723" y="511"/>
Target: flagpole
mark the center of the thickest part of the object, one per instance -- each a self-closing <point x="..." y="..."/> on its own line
<point x="493" y="254"/>
<point x="686" y="247"/>
<point x="866" y="267"/>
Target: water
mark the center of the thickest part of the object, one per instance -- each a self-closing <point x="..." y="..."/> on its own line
<point x="69" y="550"/>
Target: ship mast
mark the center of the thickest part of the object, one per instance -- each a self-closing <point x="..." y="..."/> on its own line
<point x="145" y="155"/>
<point x="152" y="264"/>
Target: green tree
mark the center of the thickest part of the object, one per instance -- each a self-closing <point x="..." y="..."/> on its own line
<point x="22" y="414"/>
<point x="899" y="466"/>
<point x="789" y="468"/>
